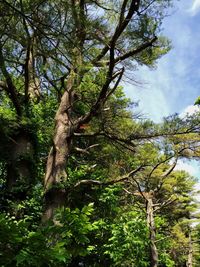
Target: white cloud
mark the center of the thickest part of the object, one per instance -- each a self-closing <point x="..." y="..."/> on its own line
<point x="195" y="8"/>
<point x="190" y="166"/>
<point x="183" y="166"/>
<point x="152" y="100"/>
<point x="190" y="110"/>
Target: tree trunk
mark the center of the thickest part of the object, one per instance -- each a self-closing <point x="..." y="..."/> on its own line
<point x="22" y="147"/>
<point x="152" y="232"/>
<point x="32" y="83"/>
<point x="190" y="252"/>
<point x="65" y="126"/>
<point x="20" y="165"/>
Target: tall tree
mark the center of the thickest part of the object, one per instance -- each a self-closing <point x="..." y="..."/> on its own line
<point x="161" y="189"/>
<point x="63" y="48"/>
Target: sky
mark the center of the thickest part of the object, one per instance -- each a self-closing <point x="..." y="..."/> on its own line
<point x="174" y="85"/>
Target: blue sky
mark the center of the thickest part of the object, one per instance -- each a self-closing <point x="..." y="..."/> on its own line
<point x="175" y="84"/>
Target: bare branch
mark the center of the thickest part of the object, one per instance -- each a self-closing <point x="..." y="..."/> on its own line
<point x="101" y="6"/>
<point x="118" y="180"/>
<point x="85" y="150"/>
<point x="169" y="201"/>
<point x="160" y="163"/>
<point x="141" y="193"/>
<point x="167" y="172"/>
<point x="103" y="95"/>
<point x="120" y="74"/>
<point x="128" y="192"/>
<point x="122" y="24"/>
<point x="136" y="50"/>
<point x="123" y="10"/>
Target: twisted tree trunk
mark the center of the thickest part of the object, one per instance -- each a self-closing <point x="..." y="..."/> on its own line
<point x="56" y="175"/>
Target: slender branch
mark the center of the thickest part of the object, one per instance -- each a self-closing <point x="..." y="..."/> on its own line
<point x="131" y="53"/>
<point x="146" y="7"/>
<point x="165" y="203"/>
<point x="128" y="192"/>
<point x="101" y="6"/>
<point x="167" y="172"/>
<point x="39" y="30"/>
<point x="85" y="150"/>
<point x="160" y="163"/>
<point x="24" y="20"/>
<point x="10" y="88"/>
<point x="122" y="24"/>
<point x="139" y="189"/>
<point x="103" y="95"/>
<point x="27" y="69"/>
<point x="123" y="10"/>
<point x="118" y="180"/>
<point x="136" y="50"/>
<point x="116" y="84"/>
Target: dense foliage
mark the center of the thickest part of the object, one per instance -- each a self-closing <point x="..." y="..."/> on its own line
<point x="85" y="181"/>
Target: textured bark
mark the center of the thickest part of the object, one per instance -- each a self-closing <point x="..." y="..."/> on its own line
<point x="32" y="83"/>
<point x="57" y="159"/>
<point x="152" y="230"/>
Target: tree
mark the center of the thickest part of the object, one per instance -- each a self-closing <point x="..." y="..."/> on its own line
<point x="161" y="191"/>
<point x="54" y="51"/>
<point x="64" y="117"/>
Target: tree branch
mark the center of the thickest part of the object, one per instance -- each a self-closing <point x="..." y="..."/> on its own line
<point x="10" y="88"/>
<point x="120" y="74"/>
<point x="118" y="180"/>
<point x="136" y="50"/>
<point x="122" y="24"/>
<point x="167" y="172"/>
<point x="165" y="203"/>
<point x="85" y="150"/>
